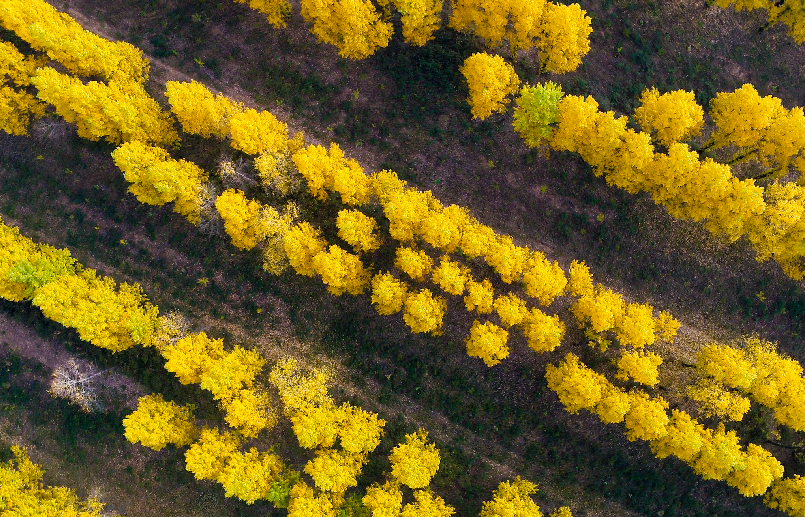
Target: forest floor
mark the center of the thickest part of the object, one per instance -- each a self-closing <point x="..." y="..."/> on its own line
<point x="405" y="109"/>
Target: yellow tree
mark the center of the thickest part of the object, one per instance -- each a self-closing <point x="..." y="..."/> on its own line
<point x="157" y="179"/>
<point x="157" y="422"/>
<point x="423" y="312"/>
<point x="544" y="333"/>
<point x="451" y="276"/>
<point x="742" y="116"/>
<point x="199" y="110"/>
<point x="720" y="454"/>
<point x="577" y="386"/>
<point x="22" y="492"/>
<point x="639" y="366"/>
<point x="427" y="504"/>
<point x="564" y="37"/>
<point x="480" y="296"/>
<point x="188" y="358"/>
<point x="512" y="499"/>
<point x="684" y="438"/>
<point x="487" y="341"/>
<point x="248" y="222"/>
<point x="442" y="228"/>
<point x="64" y="40"/>
<point x="761" y="469"/>
<point x="358" y="230"/>
<point x="415" y="263"/>
<point x="635" y="325"/>
<point x="715" y="400"/>
<point x="647" y="418"/>
<point x="17" y="110"/>
<point x="325" y="171"/>
<point x="507" y="259"/>
<point x="277" y="11"/>
<point x="518" y="22"/>
<point x="116" y="112"/>
<point x="341" y="271"/>
<point x="353" y="26"/>
<point x="209" y="455"/>
<point x="256" y="132"/>
<point x="407" y="210"/>
<point x="490" y="80"/>
<point x="248" y="476"/>
<point x="511" y="309"/>
<point x="333" y="470"/>
<point x="580" y="279"/>
<point x="788" y="495"/>
<point x="669" y="117"/>
<point x="420" y="19"/>
<point x="542" y="279"/>
<point x="383" y="500"/>
<point x="613" y="405"/>
<point x="301" y="243"/>
<point x="416" y="461"/>
<point x="388" y="293"/>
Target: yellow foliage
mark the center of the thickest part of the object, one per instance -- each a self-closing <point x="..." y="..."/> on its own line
<point x="14" y="248"/>
<point x="15" y="67"/>
<point x="742" y="116"/>
<point x="407" y="210"/>
<point x="304" y="502"/>
<point x="562" y="511"/>
<point x="383" y="500"/>
<point x="297" y="390"/>
<point x="647" y="418"/>
<point x="761" y="469"/>
<point x="666" y="327"/>
<point x="577" y="386"/>
<point x="277" y="11"/>
<point x="511" y="309"/>
<point x="414" y="263"/>
<point x="581" y="281"/>
<point x="427" y="504"/>
<point x="257" y="132"/>
<point x="544" y="333"/>
<point x="358" y="230"/>
<point x="334" y="471"/>
<point x="64" y="40"/>
<point x="491" y="80"/>
<point x="720" y="454"/>
<point x="420" y="19"/>
<point x="157" y="179"/>
<point x="542" y="279"/>
<point x="475" y="238"/>
<point x="388" y="293"/>
<point x="384" y="183"/>
<point x="515" y="21"/>
<point x="788" y="495"/>
<point x="341" y="271"/>
<point x="614" y="404"/>
<point x="415" y="462"/>
<point x="640" y="367"/>
<point x="116" y="112"/>
<point x="334" y="172"/>
<point x="714" y="400"/>
<point x="424" y="312"/>
<point x="277" y="169"/>
<point x="451" y="276"/>
<point x="199" y="110"/>
<point x="635" y="326"/>
<point x="508" y="260"/>
<point x="512" y="499"/>
<point x="726" y="365"/>
<point x="487" y="341"/>
<point x="301" y="244"/>
<point x="353" y="26"/>
<point x="156" y="423"/>
<point x="480" y="296"/>
<point x="22" y="492"/>
<point x="106" y="316"/>
<point x="684" y="439"/>
<point x="600" y="310"/>
<point x="17" y="110"/>
<point x="248" y="476"/>
<point x="564" y="37"/>
<point x="442" y="229"/>
<point x="225" y="374"/>
<point x="189" y="357"/>
<point x="249" y="411"/>
<point x="248" y="222"/>
<point x="317" y="426"/>
<point x="671" y="117"/>
<point x="360" y="430"/>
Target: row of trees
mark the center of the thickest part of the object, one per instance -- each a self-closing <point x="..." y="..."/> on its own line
<point x="758" y="128"/>
<point x="358" y="28"/>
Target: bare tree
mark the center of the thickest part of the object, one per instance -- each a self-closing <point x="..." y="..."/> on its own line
<point x="76" y="384"/>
